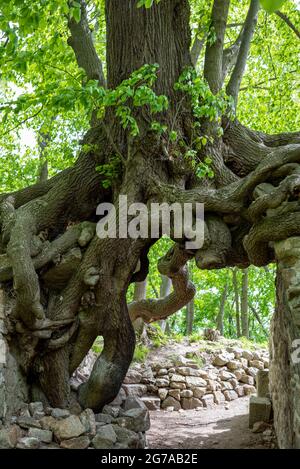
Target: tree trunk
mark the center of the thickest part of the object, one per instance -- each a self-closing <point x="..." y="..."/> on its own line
<point x="190" y="312"/>
<point x="140" y="289"/>
<point x="244" y="305"/>
<point x="220" y="317"/>
<point x="236" y="302"/>
<point x="165" y="289"/>
<point x="63" y="308"/>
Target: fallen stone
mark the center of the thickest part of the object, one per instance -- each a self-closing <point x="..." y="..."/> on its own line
<point x="103" y="418"/>
<point x="251" y="371"/>
<point x="234" y="382"/>
<point x="162" y="372"/>
<point x="239" y="373"/>
<point x="111" y="410"/>
<point x="38" y="415"/>
<point x="257" y="364"/>
<point x="189" y="403"/>
<point x="260" y="427"/>
<point x="105" y="438"/>
<point x="87" y="418"/>
<point x="170" y="402"/>
<point x="127" y="438"/>
<point x="247" y="380"/>
<point x="256" y="356"/>
<point x="226" y="385"/>
<point x="36" y="407"/>
<point x="193" y="381"/>
<point x="69" y="427"/>
<point x="248" y="389"/>
<point x="208" y="400"/>
<point x="198" y="392"/>
<point x="226" y="375"/>
<point x="233" y="365"/>
<point x="137" y="420"/>
<point x="28" y="443"/>
<point x="151" y="402"/>
<point x="230" y="395"/>
<point x="238" y="352"/>
<point x="219" y="397"/>
<point x="45" y="436"/>
<point x="48" y="423"/>
<point x="28" y="422"/>
<point x="188" y="371"/>
<point x="240" y="391"/>
<point x="247" y="354"/>
<point x="186" y="393"/>
<point x="9" y="437"/>
<point x="133" y="402"/>
<point x="178" y="378"/>
<point x="175" y="393"/>
<point x="180" y="361"/>
<point x="135" y="389"/>
<point x="82" y="442"/>
<point x="222" y="359"/>
<point x="60" y="413"/>
<point x="162" y="393"/>
<point x="259" y="410"/>
<point x="152" y="389"/>
<point x="133" y="377"/>
<point x="162" y="382"/>
<point x="176" y="385"/>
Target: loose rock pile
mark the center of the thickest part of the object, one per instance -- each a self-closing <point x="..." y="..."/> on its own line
<point x="118" y="426"/>
<point x="182" y="384"/>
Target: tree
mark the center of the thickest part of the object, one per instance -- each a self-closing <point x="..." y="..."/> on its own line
<point x="236" y="302"/>
<point x="244" y="305"/>
<point x="220" y="317"/>
<point x="159" y="131"/>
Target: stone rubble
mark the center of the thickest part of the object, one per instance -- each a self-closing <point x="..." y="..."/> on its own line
<point x="116" y="427"/>
<point x="181" y="384"/>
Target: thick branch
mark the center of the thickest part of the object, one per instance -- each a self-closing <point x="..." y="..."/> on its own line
<point x="239" y="69"/>
<point x="213" y="66"/>
<point x="173" y="266"/>
<point x="81" y="41"/>
<point x="230" y="55"/>
<point x="196" y="50"/>
<point x="288" y="22"/>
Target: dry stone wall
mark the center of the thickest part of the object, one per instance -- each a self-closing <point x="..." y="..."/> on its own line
<point x="119" y="426"/>
<point x="182" y="384"/>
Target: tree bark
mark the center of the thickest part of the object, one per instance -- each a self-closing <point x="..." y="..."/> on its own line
<point x="140" y="289"/>
<point x="165" y="290"/>
<point x="244" y="305"/>
<point x="236" y="302"/>
<point x="220" y="317"/>
<point x="190" y="313"/>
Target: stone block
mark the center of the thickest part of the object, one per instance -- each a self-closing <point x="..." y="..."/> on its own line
<point x="259" y="410"/>
<point x="262" y="383"/>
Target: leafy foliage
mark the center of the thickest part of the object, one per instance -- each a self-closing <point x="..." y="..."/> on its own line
<point x="271" y="5"/>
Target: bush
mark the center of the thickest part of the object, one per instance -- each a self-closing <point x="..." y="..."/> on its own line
<point x="140" y="354"/>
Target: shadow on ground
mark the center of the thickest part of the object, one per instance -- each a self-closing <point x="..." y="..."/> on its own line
<point x="216" y="427"/>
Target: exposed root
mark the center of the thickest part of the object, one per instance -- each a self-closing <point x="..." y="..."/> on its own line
<point x="173" y="266"/>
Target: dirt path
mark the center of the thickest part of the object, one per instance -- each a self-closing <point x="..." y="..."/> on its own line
<point x="207" y="428"/>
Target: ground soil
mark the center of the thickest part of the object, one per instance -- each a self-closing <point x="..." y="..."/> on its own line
<point x="219" y="427"/>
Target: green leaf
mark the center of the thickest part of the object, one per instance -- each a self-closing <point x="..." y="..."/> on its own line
<point x="271" y="5"/>
<point x="173" y="136"/>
